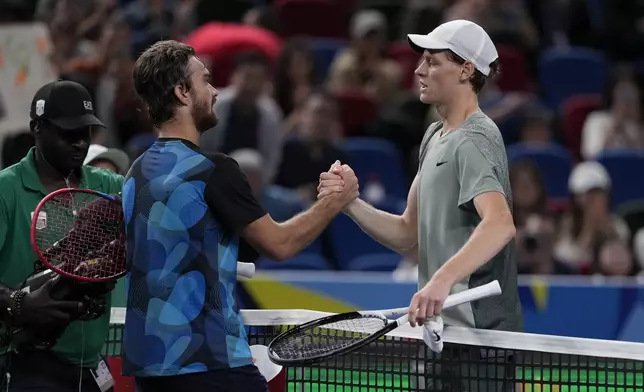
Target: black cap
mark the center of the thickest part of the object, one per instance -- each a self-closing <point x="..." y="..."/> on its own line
<point x="66" y="104"/>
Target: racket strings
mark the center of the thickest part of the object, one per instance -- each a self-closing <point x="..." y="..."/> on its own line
<point x="82" y="234"/>
<point x="327" y="338"/>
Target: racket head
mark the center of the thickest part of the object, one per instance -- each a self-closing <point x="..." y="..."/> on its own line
<point x="327" y="337"/>
<point x="80" y="233"/>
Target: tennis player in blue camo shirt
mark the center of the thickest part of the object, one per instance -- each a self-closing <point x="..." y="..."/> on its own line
<point x="185" y="210"/>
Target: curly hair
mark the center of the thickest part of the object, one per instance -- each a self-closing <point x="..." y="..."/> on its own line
<point x="157" y="71"/>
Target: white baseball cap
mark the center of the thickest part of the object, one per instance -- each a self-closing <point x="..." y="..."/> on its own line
<point x="366" y="21"/>
<point x="466" y="39"/>
<point x="117" y="157"/>
<point x="587" y="176"/>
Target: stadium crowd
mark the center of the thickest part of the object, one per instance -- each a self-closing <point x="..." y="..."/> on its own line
<point x="304" y="83"/>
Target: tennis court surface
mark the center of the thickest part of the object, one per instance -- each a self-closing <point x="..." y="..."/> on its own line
<point x="489" y="361"/>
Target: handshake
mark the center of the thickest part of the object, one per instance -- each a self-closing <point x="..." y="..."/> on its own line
<point x="339" y="184"/>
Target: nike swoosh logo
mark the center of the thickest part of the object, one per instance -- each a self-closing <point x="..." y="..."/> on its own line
<point x="441" y="163"/>
<point x="437" y="337"/>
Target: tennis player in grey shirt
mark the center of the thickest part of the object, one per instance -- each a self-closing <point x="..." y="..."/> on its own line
<point x="458" y="221"/>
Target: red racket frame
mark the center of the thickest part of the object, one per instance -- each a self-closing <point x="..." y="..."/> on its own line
<point x="33" y="233"/>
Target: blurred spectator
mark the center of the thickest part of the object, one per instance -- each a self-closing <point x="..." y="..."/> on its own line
<point x="528" y="192"/>
<point x="73" y="11"/>
<point x="618" y="127"/>
<point x="116" y="104"/>
<point x="313" y="149"/>
<point x="638" y="250"/>
<point x="219" y="46"/>
<point x="281" y="203"/>
<point x="472" y="10"/>
<point x="151" y="20"/>
<point x="73" y="57"/>
<point x="264" y="17"/>
<point x="248" y="117"/>
<point x="536" y="127"/>
<point x="15" y="147"/>
<point x="504" y="108"/>
<point x="407" y="270"/>
<point x="363" y="66"/>
<point x="615" y="259"/>
<point x="420" y="16"/>
<point x="590" y="221"/>
<point x="107" y="158"/>
<point x="90" y="27"/>
<point x="506" y="21"/>
<point x="535" y="242"/>
<point x="624" y="28"/>
<point x="294" y="79"/>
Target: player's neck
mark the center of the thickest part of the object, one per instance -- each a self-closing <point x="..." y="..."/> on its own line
<point x="456" y="112"/>
<point x="179" y="130"/>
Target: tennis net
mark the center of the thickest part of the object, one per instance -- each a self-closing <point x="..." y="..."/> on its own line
<point x="472" y="360"/>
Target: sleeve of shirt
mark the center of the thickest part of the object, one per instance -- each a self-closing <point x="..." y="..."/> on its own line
<point x="229" y="195"/>
<point x="115" y="185"/>
<point x="476" y="174"/>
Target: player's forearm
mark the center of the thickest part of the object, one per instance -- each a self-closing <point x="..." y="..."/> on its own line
<point x="298" y="232"/>
<point x="393" y="231"/>
<point x="487" y="240"/>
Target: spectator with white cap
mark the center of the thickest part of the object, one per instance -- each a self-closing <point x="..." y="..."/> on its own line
<point x="107" y="158"/>
<point x="363" y="65"/>
<point x="589" y="223"/>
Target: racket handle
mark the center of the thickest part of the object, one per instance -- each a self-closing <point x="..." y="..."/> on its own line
<point x="487" y="290"/>
<point x="246" y="270"/>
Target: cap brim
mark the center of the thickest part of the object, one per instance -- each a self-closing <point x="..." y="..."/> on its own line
<point x="85" y="120"/>
<point x="421" y="43"/>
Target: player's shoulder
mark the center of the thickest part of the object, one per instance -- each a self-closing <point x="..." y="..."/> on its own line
<point x="224" y="166"/>
<point x="103" y="180"/>
<point x="480" y="123"/>
<point x="480" y="130"/>
<point x="219" y="159"/>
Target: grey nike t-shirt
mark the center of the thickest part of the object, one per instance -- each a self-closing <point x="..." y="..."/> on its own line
<point x="454" y="169"/>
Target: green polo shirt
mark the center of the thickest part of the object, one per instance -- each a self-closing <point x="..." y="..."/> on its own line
<point x="20" y="192"/>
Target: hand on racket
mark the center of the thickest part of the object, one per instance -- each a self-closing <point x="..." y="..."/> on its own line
<point x="40" y="309"/>
<point x="428" y="302"/>
<point x="344" y="333"/>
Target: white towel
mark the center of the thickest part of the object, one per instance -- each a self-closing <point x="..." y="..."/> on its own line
<point x="433" y="334"/>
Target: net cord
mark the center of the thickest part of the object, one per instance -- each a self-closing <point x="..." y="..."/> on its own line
<point x="457" y="335"/>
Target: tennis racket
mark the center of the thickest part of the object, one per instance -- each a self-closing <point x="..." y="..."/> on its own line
<point x="80" y="233"/>
<point x="341" y="334"/>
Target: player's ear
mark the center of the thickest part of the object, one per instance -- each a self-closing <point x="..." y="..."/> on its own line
<point x="467" y="71"/>
<point x="181" y="92"/>
<point x="35" y="127"/>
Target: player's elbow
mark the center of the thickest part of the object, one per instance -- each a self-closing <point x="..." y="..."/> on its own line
<point x="505" y="226"/>
<point x="268" y="238"/>
<point x="277" y="251"/>
<point x="407" y="240"/>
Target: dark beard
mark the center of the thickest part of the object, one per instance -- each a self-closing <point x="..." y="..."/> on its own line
<point x="203" y="117"/>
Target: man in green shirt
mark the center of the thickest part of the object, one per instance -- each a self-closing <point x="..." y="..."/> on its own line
<point x="62" y="120"/>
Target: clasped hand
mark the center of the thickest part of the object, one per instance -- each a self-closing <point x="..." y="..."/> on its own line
<point x="340" y="183"/>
